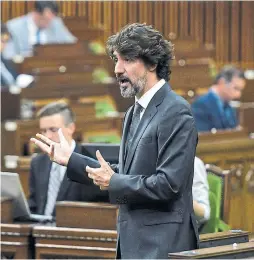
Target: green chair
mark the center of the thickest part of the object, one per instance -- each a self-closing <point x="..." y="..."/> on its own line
<point x="109" y="139"/>
<point x="215" y="223"/>
<point x="102" y="108"/>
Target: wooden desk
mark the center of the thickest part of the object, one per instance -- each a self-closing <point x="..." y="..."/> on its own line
<point x="73" y="242"/>
<point x="72" y="92"/>
<point x="57" y="241"/>
<point x="16" y="241"/>
<point x="86" y="215"/>
<point x="243" y="250"/>
<point x="223" y="238"/>
<point x="6" y="210"/>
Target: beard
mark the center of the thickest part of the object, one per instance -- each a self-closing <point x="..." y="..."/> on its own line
<point x="131" y="89"/>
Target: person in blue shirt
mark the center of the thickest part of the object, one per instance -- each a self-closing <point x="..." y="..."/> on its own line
<point x="213" y="110"/>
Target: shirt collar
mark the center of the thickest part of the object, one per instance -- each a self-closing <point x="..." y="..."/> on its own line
<point x="146" y="98"/>
<point x="73" y="145"/>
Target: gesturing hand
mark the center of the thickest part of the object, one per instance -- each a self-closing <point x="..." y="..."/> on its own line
<point x="100" y="176"/>
<point x="58" y="152"/>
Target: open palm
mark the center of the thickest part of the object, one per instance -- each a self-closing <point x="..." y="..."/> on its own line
<point x="58" y="152"/>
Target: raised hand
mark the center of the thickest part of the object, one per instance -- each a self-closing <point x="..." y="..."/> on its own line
<point x="100" y="176"/>
<point x="58" y="152"/>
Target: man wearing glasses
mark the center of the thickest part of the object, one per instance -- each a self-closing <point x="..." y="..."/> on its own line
<point x="213" y="110"/>
<point x="48" y="180"/>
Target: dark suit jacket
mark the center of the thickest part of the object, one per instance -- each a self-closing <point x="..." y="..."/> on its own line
<point x="154" y="185"/>
<point x="70" y="191"/>
<point x="9" y="66"/>
<point x="208" y="114"/>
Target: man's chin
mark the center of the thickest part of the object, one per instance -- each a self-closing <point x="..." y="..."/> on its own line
<point x="127" y="94"/>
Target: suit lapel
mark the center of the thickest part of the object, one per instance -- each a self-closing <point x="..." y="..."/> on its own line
<point x="150" y="112"/>
<point x="126" y="127"/>
<point x="44" y="182"/>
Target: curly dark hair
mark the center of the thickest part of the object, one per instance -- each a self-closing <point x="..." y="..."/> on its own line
<point x="141" y="41"/>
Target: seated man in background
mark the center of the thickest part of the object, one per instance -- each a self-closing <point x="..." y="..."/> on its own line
<point x="200" y="193"/>
<point x="213" y="110"/>
<point x="10" y="79"/>
<point x="41" y="26"/>
<point x="8" y="72"/>
<point x="48" y="181"/>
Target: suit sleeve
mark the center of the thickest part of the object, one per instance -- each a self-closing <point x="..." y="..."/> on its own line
<point x="177" y="140"/>
<point x="77" y="165"/>
<point x="32" y="188"/>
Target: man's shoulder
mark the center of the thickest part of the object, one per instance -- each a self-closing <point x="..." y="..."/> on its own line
<point x="57" y="22"/>
<point x="203" y="98"/>
<point x="16" y="22"/>
<point x="175" y="100"/>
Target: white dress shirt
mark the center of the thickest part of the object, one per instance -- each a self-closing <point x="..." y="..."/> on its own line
<point x="147" y="97"/>
<point x="32" y="29"/>
<point x="200" y="188"/>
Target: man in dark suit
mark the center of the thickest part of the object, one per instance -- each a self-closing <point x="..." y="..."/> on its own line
<point x="213" y="110"/>
<point x="153" y="181"/>
<point x="48" y="181"/>
<point x="8" y="72"/>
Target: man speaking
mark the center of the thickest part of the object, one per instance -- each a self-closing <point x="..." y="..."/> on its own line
<point x="153" y="181"/>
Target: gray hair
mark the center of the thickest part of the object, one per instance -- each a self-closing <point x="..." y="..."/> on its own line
<point x="61" y="108"/>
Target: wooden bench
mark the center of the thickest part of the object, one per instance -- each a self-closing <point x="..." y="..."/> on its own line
<point x="236" y="155"/>
<point x="16" y="241"/>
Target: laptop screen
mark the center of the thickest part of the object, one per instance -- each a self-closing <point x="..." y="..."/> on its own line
<point x="11" y="188"/>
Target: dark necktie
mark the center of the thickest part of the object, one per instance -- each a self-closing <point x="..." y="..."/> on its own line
<point x="229" y="115"/>
<point x="133" y="126"/>
<point x="38" y="36"/>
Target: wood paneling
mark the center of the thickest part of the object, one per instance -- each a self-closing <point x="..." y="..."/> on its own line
<point x="228" y="25"/>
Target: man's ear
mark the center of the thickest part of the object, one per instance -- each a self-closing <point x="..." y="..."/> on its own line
<point x="71" y="128"/>
<point x="152" y="67"/>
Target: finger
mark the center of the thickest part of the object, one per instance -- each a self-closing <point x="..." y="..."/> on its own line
<point x="45" y="139"/>
<point x="61" y="137"/>
<point x="44" y="147"/>
<point x="52" y="151"/>
<point x="90" y="175"/>
<point x="89" y="170"/>
<point x="101" y="159"/>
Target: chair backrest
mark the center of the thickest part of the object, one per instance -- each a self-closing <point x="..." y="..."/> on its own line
<point x="215" y="199"/>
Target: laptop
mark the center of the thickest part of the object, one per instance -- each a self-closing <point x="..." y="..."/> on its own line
<point x="11" y="187"/>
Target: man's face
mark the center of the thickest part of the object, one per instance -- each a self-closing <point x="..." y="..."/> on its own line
<point x="131" y="75"/>
<point x="49" y="126"/>
<point x="45" y="18"/>
<point x="233" y="90"/>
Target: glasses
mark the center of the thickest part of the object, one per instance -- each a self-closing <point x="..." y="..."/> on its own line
<point x="50" y="129"/>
